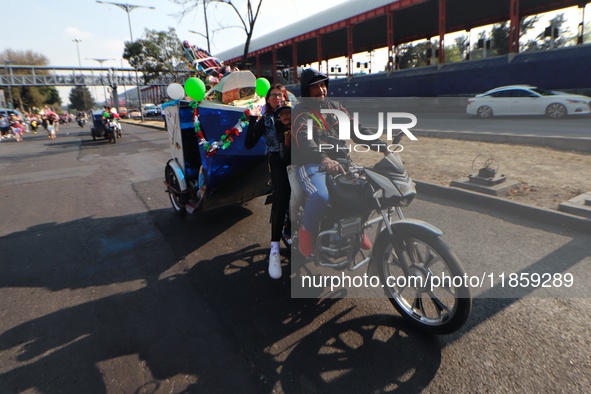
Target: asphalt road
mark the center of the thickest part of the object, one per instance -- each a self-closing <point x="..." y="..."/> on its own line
<point x="456" y="120"/>
<point x="103" y="289"/>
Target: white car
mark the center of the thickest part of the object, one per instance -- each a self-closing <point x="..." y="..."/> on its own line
<point x="151" y="110"/>
<point x="527" y="100"/>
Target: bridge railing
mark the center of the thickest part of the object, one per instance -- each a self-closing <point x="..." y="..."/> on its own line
<point x="99" y="76"/>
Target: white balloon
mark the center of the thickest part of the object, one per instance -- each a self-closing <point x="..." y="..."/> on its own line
<point x="175" y="91"/>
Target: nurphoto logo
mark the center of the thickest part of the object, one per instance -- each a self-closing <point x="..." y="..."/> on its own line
<point x="392" y="128"/>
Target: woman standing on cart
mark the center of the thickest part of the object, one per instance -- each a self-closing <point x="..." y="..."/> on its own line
<point x="267" y="125"/>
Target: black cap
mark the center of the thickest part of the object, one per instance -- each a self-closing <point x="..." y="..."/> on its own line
<point x="309" y="77"/>
<point x="284" y="105"/>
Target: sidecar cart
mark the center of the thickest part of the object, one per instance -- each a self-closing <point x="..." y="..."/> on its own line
<point x="97" y="129"/>
<point x="210" y="166"/>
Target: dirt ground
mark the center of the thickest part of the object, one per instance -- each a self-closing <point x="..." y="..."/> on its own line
<point x="546" y="177"/>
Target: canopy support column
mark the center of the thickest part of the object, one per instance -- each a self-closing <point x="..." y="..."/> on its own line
<point x="319" y="51"/>
<point x="294" y="56"/>
<point x="442" y="23"/>
<point x="274" y="52"/>
<point x="349" y="50"/>
<point x="390" y="40"/>
<point x="514" y="27"/>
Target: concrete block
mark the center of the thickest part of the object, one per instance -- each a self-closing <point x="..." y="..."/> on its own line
<point x="579" y="205"/>
<point x="497" y="189"/>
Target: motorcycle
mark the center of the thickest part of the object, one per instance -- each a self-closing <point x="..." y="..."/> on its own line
<point x="81" y="122"/>
<point x="403" y="248"/>
<point x="113" y="131"/>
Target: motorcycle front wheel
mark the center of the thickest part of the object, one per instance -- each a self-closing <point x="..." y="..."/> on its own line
<point x="419" y="274"/>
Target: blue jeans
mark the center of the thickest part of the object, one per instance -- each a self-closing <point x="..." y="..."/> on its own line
<point x="314" y="184"/>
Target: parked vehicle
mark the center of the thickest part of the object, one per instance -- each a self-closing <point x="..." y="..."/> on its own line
<point x="134" y="114"/>
<point x="151" y="110"/>
<point x="123" y="112"/>
<point x="527" y="100"/>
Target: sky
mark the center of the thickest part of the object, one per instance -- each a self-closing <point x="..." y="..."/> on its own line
<point x="49" y="27"/>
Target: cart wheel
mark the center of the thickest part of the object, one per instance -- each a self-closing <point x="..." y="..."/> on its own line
<point x="177" y="200"/>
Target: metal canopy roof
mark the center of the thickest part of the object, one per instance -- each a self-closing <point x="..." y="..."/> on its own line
<point x="413" y="20"/>
<point x="311" y="25"/>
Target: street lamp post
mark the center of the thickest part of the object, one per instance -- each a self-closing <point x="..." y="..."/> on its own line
<point x="101" y="61"/>
<point x="78" y="41"/>
<point x="128" y="8"/>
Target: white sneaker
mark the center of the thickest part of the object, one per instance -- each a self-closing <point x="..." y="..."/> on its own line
<point x="275" y="265"/>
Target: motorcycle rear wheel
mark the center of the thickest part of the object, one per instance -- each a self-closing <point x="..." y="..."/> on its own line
<point x="428" y="305"/>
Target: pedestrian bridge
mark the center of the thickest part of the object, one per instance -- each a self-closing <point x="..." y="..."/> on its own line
<point x="18" y="75"/>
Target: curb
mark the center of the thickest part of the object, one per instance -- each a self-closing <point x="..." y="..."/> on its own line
<point x="524" y="211"/>
<point x="151" y="126"/>
<point x="560" y="143"/>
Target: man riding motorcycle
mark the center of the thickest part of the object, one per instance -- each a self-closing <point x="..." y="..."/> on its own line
<point x="112" y="115"/>
<point x="315" y="163"/>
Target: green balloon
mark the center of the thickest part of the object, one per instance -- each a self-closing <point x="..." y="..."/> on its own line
<point x="195" y="88"/>
<point x="262" y="86"/>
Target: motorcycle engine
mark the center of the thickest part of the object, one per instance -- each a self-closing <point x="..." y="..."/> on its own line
<point x="344" y="238"/>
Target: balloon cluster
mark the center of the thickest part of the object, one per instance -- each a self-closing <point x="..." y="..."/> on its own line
<point x="175" y="91"/>
<point x="195" y="88"/>
<point x="262" y="86"/>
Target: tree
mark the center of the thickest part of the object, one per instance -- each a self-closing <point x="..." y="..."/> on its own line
<point x="413" y="55"/>
<point x="499" y="37"/>
<point x="543" y="42"/>
<point x="247" y="19"/>
<point x="188" y="6"/>
<point x="156" y="53"/>
<point x="52" y="98"/>
<point x="81" y="99"/>
<point x="28" y="97"/>
<point x="455" y="53"/>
